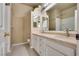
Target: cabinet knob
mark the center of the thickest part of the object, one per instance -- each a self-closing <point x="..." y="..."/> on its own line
<point x="77" y="36"/>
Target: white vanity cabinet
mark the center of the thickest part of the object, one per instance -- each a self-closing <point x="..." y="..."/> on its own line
<point x="52" y="52"/>
<point x="49" y="47"/>
<point x="42" y="46"/>
<point x="38" y="44"/>
<point x="59" y="49"/>
<point x="35" y="43"/>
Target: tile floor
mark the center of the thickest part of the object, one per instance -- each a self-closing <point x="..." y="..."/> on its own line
<point x="22" y="50"/>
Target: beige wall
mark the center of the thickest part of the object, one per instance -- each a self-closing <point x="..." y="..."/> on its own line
<point x="20" y="23"/>
<point x="27" y="26"/>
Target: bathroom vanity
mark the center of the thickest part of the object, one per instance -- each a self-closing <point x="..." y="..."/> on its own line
<point x="53" y="45"/>
<point x="56" y="34"/>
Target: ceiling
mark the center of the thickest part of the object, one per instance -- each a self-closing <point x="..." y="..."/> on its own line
<point x="58" y="6"/>
<point x="33" y="4"/>
<point x="62" y="6"/>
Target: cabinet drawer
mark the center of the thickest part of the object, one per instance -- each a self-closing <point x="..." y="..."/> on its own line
<point x="52" y="52"/>
<point x="34" y="42"/>
<point x="61" y="48"/>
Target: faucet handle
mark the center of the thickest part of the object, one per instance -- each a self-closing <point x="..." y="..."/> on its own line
<point x="67" y="29"/>
<point x="67" y="32"/>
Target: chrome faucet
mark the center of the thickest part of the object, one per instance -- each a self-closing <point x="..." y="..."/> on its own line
<point x="67" y="32"/>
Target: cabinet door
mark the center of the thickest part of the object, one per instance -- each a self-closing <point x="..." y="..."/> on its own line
<point x="38" y="44"/>
<point x="32" y="41"/>
<point x="67" y="51"/>
<point x="42" y="46"/>
<point x="35" y="43"/>
<point x="52" y="52"/>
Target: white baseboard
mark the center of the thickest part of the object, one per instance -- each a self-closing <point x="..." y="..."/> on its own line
<point x="19" y="44"/>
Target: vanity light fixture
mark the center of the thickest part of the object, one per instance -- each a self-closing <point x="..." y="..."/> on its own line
<point x="46" y="4"/>
<point x="49" y="6"/>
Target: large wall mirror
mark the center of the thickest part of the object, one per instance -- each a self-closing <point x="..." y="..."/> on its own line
<point x="62" y="16"/>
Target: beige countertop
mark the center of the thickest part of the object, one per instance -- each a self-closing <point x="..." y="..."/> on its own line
<point x="69" y="41"/>
<point x="72" y="33"/>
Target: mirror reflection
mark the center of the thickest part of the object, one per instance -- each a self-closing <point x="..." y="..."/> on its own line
<point x="62" y="17"/>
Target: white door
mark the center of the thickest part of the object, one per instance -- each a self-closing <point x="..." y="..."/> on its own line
<point x="5" y="15"/>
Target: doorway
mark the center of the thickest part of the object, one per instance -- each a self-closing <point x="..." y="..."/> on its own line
<point x="21" y="23"/>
